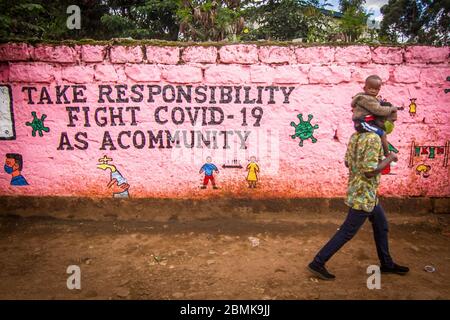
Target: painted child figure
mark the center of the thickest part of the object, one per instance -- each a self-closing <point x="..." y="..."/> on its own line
<point x="253" y="170"/>
<point x="208" y="168"/>
<point x="366" y="108"/>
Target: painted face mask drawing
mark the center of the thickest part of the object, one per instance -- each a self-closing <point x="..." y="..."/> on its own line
<point x="8" y="169"/>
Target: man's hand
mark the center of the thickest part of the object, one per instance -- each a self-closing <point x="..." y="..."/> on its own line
<point x="392" y="157"/>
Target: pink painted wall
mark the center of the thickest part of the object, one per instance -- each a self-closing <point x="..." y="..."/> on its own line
<point x="317" y="80"/>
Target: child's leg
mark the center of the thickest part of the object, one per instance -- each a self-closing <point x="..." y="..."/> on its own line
<point x="385" y="144"/>
<point x="370" y="127"/>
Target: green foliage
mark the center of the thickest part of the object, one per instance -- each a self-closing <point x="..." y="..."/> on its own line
<point x="211" y="20"/>
<point x="21" y="18"/>
<point x="413" y="21"/>
<point x="353" y="23"/>
<point x="142" y="19"/>
<point x="289" y="19"/>
<point x="416" y="21"/>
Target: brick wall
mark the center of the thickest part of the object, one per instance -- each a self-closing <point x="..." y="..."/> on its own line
<point x="155" y="113"/>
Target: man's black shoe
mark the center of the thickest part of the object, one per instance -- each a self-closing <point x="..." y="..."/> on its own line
<point x="320" y="271"/>
<point x="397" y="269"/>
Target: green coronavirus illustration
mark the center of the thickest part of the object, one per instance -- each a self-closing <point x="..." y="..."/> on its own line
<point x="37" y="124"/>
<point x="304" y="130"/>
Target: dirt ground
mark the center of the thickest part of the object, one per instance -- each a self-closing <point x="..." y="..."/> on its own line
<point x="214" y="258"/>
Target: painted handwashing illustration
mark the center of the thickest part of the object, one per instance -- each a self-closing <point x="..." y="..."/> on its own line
<point x="13" y="166"/>
<point x="117" y="183"/>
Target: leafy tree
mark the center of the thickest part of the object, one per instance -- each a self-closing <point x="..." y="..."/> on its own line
<point x="47" y="20"/>
<point x="354" y="20"/>
<point x="320" y="24"/>
<point x="344" y="5"/>
<point x="211" y="20"/>
<point x="21" y="18"/>
<point x="420" y="21"/>
<point x="289" y="19"/>
<point x="142" y="19"/>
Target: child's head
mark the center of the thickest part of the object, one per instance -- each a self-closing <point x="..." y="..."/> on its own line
<point x="372" y="85"/>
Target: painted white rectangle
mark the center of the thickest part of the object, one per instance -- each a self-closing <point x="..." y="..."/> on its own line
<point x="7" y="130"/>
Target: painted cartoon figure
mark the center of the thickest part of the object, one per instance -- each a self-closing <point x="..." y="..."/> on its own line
<point x="209" y="169"/>
<point x="423" y="170"/>
<point x="253" y="170"/>
<point x="13" y="166"/>
<point x="412" y="107"/>
<point x="117" y="184"/>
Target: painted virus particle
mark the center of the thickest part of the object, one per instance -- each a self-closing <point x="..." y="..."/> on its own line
<point x="304" y="130"/>
<point x="37" y="124"/>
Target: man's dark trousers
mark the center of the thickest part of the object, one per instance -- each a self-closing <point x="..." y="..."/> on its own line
<point x="355" y="219"/>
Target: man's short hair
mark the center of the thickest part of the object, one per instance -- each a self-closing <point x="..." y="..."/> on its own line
<point x="17" y="157"/>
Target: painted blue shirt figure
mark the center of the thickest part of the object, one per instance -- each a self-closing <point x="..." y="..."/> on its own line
<point x="19" y="181"/>
<point x="13" y="166"/>
<point x="209" y="168"/>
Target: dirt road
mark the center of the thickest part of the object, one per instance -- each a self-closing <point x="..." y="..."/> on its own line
<point x="214" y="258"/>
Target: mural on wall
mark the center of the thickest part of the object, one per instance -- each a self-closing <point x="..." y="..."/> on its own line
<point x="165" y="115"/>
<point x="423" y="170"/>
<point x="253" y="172"/>
<point x="412" y="107"/>
<point x="232" y="164"/>
<point x="37" y="124"/>
<point x="304" y="130"/>
<point x="117" y="184"/>
<point x="7" y="128"/>
<point x="209" y="168"/>
<point x="13" y="166"/>
<point x="429" y="152"/>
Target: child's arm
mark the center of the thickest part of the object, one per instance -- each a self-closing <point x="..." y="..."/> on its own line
<point x="375" y="108"/>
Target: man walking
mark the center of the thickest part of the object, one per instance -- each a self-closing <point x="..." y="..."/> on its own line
<point x="363" y="158"/>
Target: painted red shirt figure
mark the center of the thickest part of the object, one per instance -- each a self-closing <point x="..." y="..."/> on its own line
<point x="208" y="168"/>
